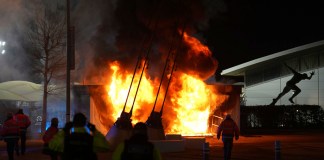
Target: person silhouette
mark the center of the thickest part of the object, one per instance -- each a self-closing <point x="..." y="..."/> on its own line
<point x="229" y="130"/>
<point x="48" y="136"/>
<point x="137" y="147"/>
<point x="291" y="84"/>
<point x="10" y="134"/>
<point x="23" y="122"/>
<point x="79" y="140"/>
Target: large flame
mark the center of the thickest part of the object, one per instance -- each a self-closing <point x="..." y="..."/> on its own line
<point x="193" y="104"/>
<point x="189" y="101"/>
<point x="196" y="46"/>
<point x="118" y="90"/>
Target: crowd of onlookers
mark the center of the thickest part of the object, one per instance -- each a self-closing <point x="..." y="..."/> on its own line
<point x="13" y="132"/>
<point x="80" y="140"/>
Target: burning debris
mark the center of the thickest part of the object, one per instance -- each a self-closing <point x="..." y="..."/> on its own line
<point x="168" y="77"/>
<point x="187" y="95"/>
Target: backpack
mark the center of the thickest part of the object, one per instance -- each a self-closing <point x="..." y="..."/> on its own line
<point x="78" y="146"/>
<point x="136" y="150"/>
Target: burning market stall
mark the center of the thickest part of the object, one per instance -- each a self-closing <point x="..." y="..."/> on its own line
<point x="186" y="109"/>
<point x="168" y="77"/>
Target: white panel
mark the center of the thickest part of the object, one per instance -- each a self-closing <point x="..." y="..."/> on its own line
<point x="262" y="94"/>
<point x="312" y="91"/>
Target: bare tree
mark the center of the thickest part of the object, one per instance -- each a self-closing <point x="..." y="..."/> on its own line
<point x="47" y="37"/>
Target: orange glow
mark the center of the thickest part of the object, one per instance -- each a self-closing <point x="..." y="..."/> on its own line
<point x="118" y="88"/>
<point x="193" y="104"/>
<point x="189" y="103"/>
<point x="196" y="46"/>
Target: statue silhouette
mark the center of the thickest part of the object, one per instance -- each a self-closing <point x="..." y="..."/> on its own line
<point x="291" y="84"/>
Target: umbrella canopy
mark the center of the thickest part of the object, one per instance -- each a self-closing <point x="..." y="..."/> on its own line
<point x="21" y="91"/>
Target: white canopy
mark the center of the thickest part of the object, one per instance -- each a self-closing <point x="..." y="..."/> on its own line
<point x="21" y="91"/>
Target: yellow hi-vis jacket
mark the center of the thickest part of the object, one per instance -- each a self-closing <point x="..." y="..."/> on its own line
<point x="100" y="144"/>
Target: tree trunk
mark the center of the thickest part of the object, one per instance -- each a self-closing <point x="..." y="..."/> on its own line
<point x="44" y="119"/>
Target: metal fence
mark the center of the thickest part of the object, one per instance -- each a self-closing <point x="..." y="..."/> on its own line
<point x="282" y="117"/>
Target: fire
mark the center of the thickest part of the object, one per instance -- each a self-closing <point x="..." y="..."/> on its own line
<point x="189" y="102"/>
<point x="118" y="89"/>
<point x="193" y="104"/>
<point x="196" y="46"/>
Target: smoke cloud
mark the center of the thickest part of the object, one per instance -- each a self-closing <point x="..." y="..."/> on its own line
<point x="110" y="30"/>
<point x="122" y="30"/>
<point x="16" y="18"/>
<point x="11" y="28"/>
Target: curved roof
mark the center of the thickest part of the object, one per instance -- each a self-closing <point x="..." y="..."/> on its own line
<point x="21" y="91"/>
<point x="240" y="69"/>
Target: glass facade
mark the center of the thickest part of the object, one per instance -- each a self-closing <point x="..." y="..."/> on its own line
<point x="304" y="62"/>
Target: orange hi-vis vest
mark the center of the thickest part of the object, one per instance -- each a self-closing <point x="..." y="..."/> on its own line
<point x="228" y="129"/>
<point x="23" y="121"/>
<point x="10" y="129"/>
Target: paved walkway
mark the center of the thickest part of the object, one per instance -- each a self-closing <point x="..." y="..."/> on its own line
<point x="306" y="145"/>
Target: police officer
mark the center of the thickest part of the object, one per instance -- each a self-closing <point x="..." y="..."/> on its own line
<point x="228" y="129"/>
<point x="23" y="122"/>
<point x="137" y="147"/>
<point x="10" y="133"/>
<point x="79" y="140"/>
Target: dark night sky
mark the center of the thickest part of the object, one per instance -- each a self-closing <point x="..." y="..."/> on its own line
<point x="238" y="30"/>
<point x="256" y="28"/>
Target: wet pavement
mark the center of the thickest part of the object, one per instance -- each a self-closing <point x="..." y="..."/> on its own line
<point x="299" y="145"/>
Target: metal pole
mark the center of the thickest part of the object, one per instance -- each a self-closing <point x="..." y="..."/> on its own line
<point x="68" y="51"/>
<point x="206" y="151"/>
<point x="277" y="150"/>
<point x="173" y="68"/>
<point x="163" y="73"/>
<point x="130" y="87"/>
<point x="318" y="87"/>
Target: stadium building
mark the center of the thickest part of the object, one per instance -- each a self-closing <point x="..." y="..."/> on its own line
<point x="265" y="77"/>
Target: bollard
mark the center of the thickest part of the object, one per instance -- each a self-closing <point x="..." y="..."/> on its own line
<point x="206" y="151"/>
<point x="277" y="150"/>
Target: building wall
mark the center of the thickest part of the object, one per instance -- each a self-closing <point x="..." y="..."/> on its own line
<point x="312" y="91"/>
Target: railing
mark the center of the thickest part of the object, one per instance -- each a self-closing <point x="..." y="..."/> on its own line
<point x="282" y="117"/>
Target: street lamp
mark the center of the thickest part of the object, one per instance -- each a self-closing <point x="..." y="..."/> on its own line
<point x="2" y="44"/>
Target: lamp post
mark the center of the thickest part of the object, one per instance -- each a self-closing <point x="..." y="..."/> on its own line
<point x="2" y="44"/>
<point x="70" y="63"/>
<point x="68" y="51"/>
